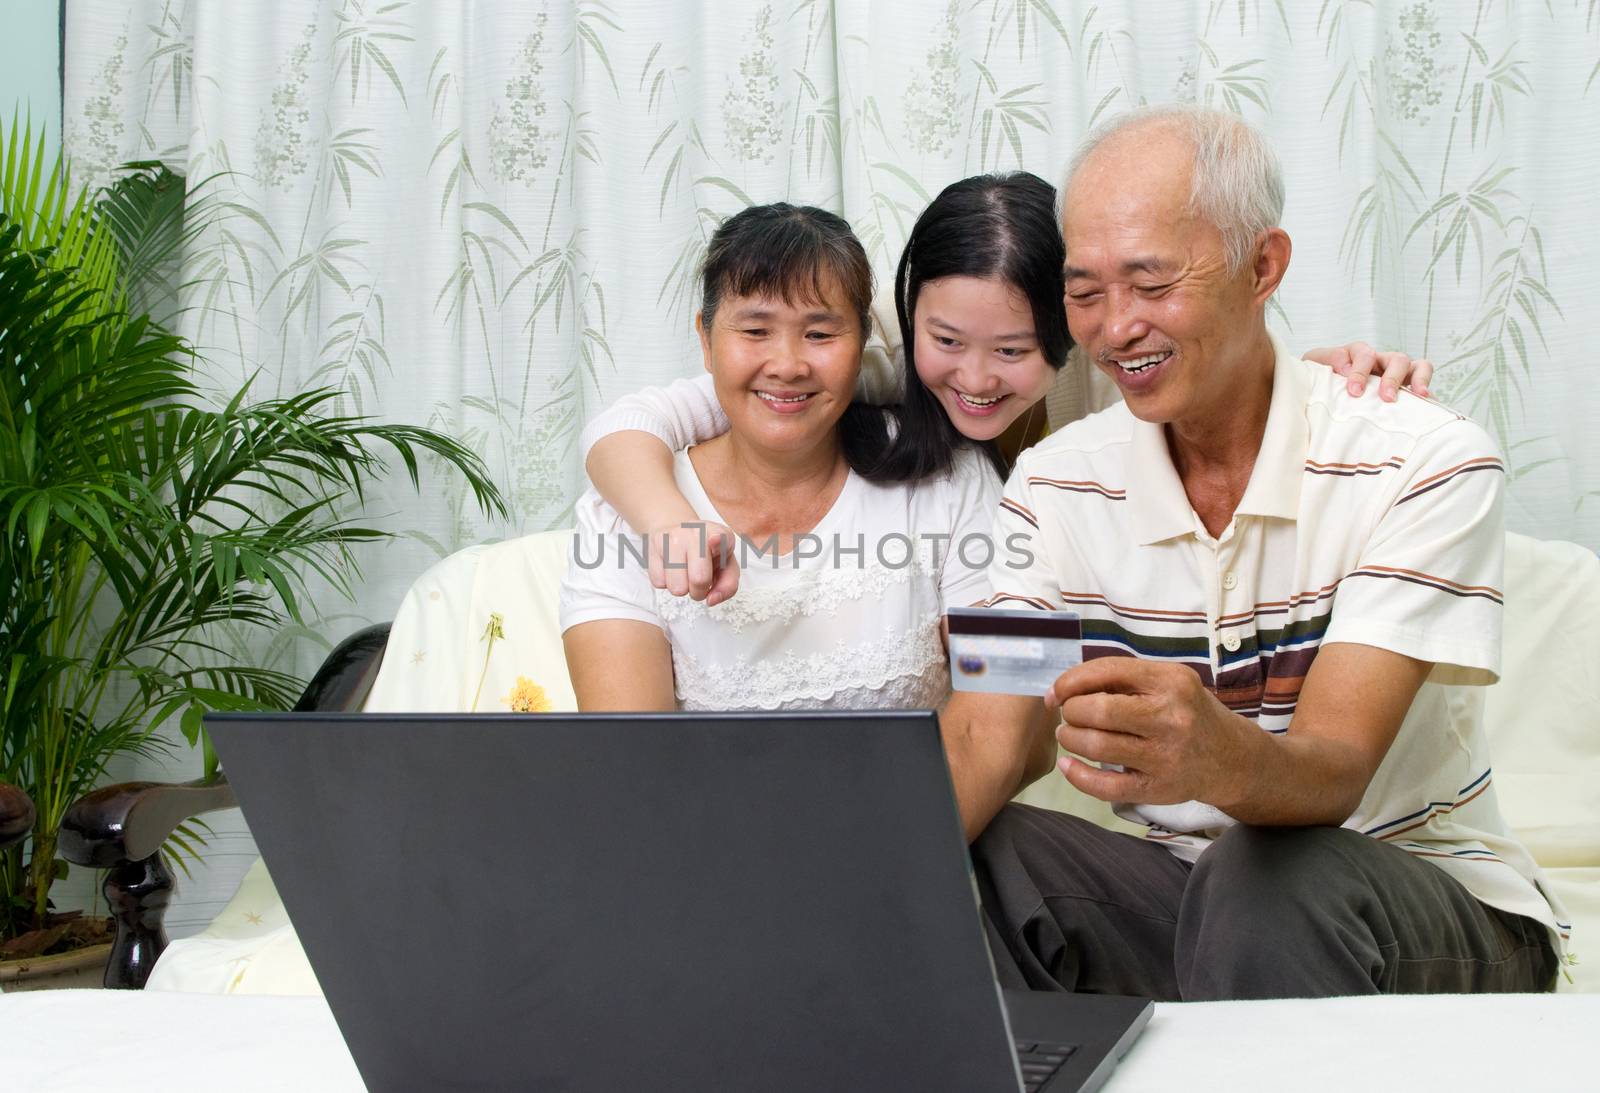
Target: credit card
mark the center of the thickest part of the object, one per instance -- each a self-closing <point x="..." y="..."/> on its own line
<point x="1009" y="652"/>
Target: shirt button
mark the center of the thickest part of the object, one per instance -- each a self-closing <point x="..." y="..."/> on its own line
<point x="1230" y="581"/>
<point x="1230" y="642"/>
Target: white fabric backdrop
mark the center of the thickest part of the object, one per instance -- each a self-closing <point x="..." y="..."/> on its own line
<point x="486" y="215"/>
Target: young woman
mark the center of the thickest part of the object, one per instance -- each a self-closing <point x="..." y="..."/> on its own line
<point x="841" y="604"/>
<point x="978" y="296"/>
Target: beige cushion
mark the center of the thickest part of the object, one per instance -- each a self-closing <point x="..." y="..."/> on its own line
<point x="1544" y="714"/>
<point x="249" y="948"/>
<point x="1579" y="892"/>
<point x="440" y="656"/>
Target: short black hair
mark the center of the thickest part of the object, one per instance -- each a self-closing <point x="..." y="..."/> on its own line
<point x="787" y="251"/>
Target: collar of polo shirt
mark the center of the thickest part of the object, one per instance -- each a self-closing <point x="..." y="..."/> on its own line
<point x="1156" y="500"/>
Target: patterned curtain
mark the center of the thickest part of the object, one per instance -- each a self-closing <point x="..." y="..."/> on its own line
<point x="486" y="215"/>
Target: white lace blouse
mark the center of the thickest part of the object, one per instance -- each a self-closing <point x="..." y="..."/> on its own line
<point x="849" y="619"/>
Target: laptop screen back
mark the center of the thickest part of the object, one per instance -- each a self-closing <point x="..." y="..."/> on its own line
<point x="670" y="902"/>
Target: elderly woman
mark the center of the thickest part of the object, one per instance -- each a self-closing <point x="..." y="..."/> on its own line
<point x="845" y="579"/>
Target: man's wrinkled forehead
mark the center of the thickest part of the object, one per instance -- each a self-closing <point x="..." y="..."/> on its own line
<point x="1129" y="202"/>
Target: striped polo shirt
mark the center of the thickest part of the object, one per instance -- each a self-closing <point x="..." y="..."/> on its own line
<point x="1363" y="521"/>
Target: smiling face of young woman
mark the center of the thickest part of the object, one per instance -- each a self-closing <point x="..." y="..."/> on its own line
<point x="978" y="354"/>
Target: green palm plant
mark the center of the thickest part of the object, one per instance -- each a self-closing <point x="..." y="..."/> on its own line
<point x="135" y="515"/>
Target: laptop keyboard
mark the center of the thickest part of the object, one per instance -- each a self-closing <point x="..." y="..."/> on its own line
<point x="1040" y="1062"/>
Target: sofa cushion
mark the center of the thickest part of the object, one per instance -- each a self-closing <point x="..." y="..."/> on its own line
<point x="480" y="631"/>
<point x="1543" y="716"/>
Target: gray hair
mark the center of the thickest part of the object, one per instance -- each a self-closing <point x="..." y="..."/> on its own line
<point x="1238" y="181"/>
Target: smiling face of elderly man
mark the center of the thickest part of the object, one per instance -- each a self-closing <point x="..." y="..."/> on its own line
<point x="1155" y="297"/>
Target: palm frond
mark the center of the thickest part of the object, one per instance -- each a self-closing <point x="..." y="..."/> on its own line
<point x="139" y="524"/>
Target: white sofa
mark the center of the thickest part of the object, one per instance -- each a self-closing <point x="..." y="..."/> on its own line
<point x="1545" y="714"/>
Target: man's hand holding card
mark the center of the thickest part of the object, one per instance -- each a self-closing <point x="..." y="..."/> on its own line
<point x="1151" y="733"/>
<point x="1159" y="735"/>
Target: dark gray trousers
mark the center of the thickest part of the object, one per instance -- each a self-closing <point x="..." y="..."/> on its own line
<point x="1303" y="912"/>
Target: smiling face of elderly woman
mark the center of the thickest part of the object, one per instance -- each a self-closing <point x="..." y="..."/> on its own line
<point x="786" y="296"/>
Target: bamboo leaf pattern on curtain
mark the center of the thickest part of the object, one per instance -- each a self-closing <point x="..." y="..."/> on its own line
<point x="519" y="198"/>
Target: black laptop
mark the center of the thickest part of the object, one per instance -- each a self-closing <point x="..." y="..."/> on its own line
<point x="663" y="902"/>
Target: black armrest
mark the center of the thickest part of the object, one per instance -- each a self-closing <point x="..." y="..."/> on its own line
<point x="114" y="825"/>
<point x="346" y="676"/>
<point x="122" y="827"/>
<point x="16" y="815"/>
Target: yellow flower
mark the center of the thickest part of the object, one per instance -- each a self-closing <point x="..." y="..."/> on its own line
<point x="528" y="697"/>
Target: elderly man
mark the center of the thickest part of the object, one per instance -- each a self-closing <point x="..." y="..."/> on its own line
<point x="1286" y="599"/>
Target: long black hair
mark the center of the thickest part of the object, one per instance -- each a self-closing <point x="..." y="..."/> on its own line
<point x="999" y="226"/>
<point x="793" y="252"/>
